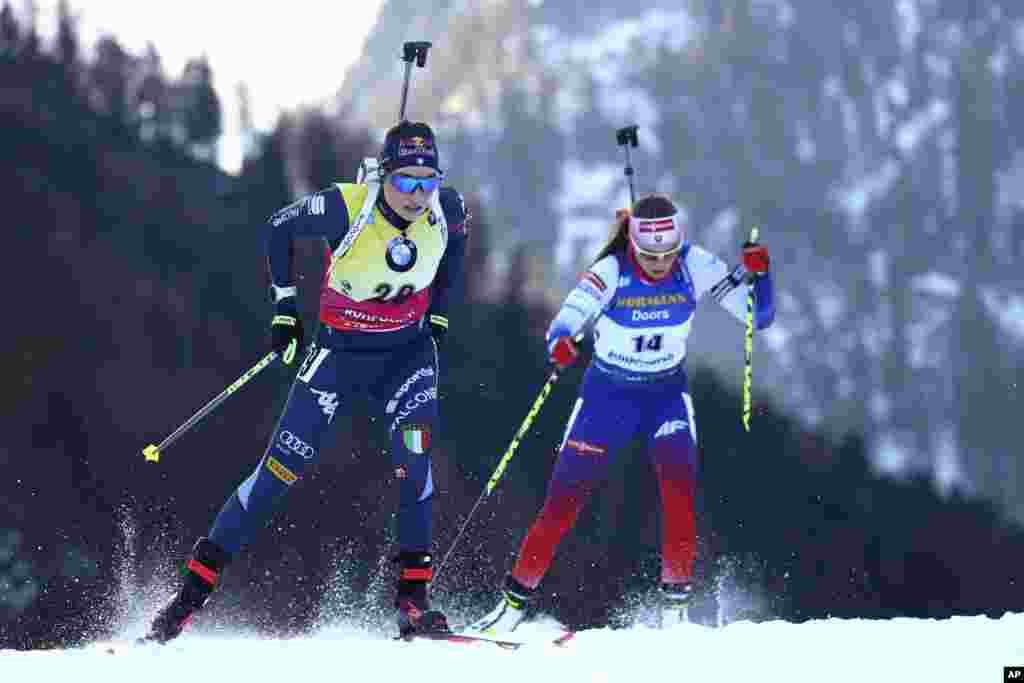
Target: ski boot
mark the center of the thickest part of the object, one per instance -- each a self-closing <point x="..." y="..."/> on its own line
<point x="510" y="612"/>
<point x="200" y="577"/>
<point x="704" y="609"/>
<point x="674" y="603"/>
<point x="414" y="614"/>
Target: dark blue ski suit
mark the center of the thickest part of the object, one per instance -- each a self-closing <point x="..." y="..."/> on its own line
<point x="374" y="340"/>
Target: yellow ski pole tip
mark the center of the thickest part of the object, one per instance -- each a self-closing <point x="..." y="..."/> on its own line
<point x="152" y="453"/>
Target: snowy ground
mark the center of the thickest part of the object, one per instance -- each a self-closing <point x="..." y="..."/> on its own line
<point x="971" y="649"/>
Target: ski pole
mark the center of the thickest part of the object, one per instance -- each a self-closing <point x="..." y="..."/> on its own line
<point x="411" y="51"/>
<point x="152" y="452"/>
<point x="503" y="463"/>
<point x="626" y="137"/>
<point x="748" y="346"/>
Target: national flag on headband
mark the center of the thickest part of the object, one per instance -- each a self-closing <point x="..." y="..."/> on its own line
<point x="416" y="439"/>
<point x="660" y="225"/>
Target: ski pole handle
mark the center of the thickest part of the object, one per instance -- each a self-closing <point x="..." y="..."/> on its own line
<point x="626" y="137"/>
<point x="755" y="234"/>
<point x="735" y="277"/>
<point x="411" y="51"/>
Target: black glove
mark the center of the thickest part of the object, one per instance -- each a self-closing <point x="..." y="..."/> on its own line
<point x="286" y="330"/>
<point x="438" y="328"/>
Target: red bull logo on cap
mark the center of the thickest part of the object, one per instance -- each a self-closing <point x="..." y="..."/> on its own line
<point x="416" y="145"/>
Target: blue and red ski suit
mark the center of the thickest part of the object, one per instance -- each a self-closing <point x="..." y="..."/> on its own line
<point x="636" y="384"/>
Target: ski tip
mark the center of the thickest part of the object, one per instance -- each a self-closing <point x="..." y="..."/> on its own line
<point x="563" y="640"/>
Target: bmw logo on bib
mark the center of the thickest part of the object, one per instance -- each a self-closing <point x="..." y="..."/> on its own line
<point x="401" y="254"/>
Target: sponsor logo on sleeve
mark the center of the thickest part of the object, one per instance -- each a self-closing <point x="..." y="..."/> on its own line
<point x="317" y="205"/>
<point x="314" y="205"/>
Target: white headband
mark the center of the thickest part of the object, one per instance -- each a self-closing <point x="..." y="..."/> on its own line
<point x="658" y="236"/>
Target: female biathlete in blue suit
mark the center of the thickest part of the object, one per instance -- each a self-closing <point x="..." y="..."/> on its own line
<point x="394" y="248"/>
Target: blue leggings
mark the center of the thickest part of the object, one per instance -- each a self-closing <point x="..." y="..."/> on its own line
<point x="403" y="384"/>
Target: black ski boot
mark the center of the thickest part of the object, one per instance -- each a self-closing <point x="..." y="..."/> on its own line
<point x="674" y="603"/>
<point x="688" y="602"/>
<point x="413" y="603"/>
<point x="704" y="608"/>
<point x="200" y="577"/>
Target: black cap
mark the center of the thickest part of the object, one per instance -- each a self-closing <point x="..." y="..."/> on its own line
<point x="409" y="144"/>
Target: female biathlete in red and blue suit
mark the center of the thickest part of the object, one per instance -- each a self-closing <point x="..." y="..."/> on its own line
<point x="639" y="300"/>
